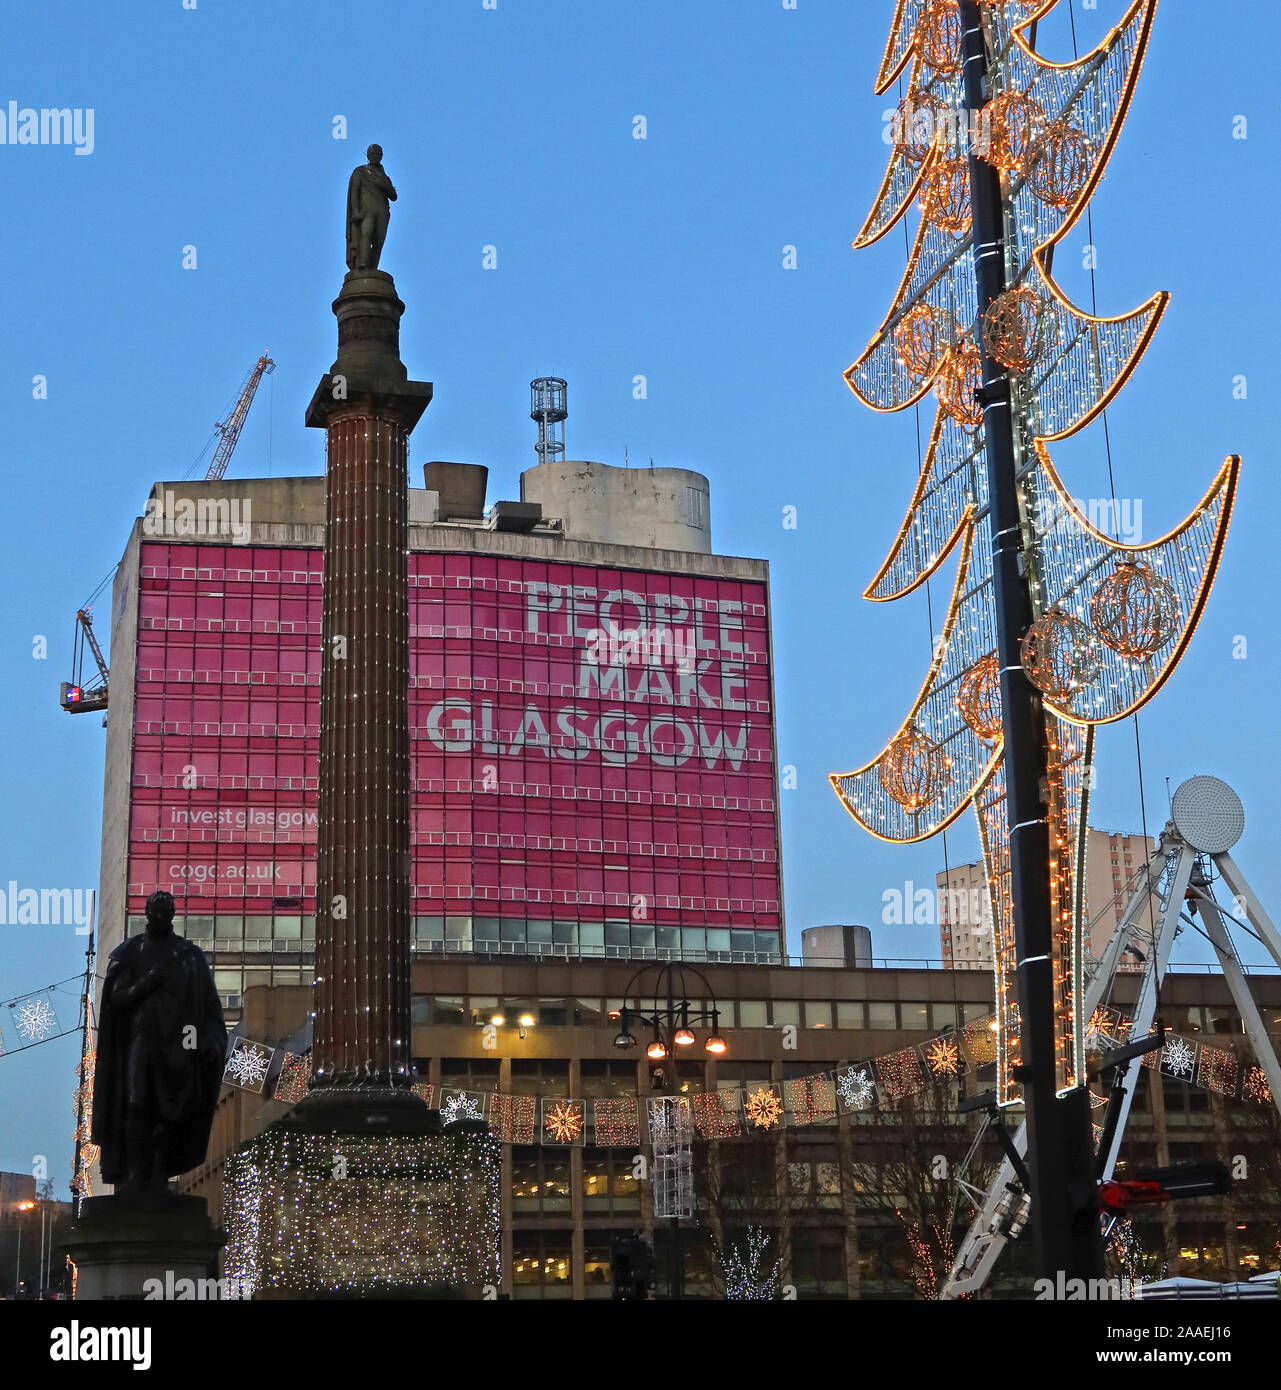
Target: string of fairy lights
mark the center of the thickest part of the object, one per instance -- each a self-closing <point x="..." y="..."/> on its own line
<point x="1112" y="615"/>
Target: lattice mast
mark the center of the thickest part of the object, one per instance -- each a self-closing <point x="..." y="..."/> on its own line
<point x="1053" y="627"/>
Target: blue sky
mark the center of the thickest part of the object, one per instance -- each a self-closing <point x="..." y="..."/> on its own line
<point x="513" y="127"/>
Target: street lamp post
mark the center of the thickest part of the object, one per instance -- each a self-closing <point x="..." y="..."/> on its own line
<point x="666" y="1012"/>
<point x="17" y="1273"/>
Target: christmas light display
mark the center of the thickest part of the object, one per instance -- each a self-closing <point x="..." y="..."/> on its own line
<point x="1050" y="129"/>
<point x="513" y="1119"/>
<point x="716" y="1114"/>
<point x="763" y="1108"/>
<point x="921" y="340"/>
<point x="1254" y="1086"/>
<point x="363" y="1214"/>
<point x="1016" y="328"/>
<point x="34" y="1019"/>
<point x="1016" y="127"/>
<point x="811" y="1100"/>
<point x="913" y="769"/>
<point x="743" y="1267"/>
<point x="1178" y="1059"/>
<point x="943" y="1057"/>
<point x="1135" y="611"/>
<point x="671" y="1125"/>
<point x="616" y="1122"/>
<point x="856" y="1087"/>
<point x="959" y="381"/>
<point x="979" y="698"/>
<point x="899" y="1075"/>
<point x="564" y="1122"/>
<point x="1062" y="169"/>
<point x="1218" y="1070"/>
<point x="424" y="1091"/>
<point x="979" y="1038"/>
<point x="1060" y="655"/>
<point x="248" y="1064"/>
<point x="291" y="1084"/>
<point x="457" y="1106"/>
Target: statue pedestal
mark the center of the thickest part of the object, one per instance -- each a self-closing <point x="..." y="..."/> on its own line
<point x="122" y="1243"/>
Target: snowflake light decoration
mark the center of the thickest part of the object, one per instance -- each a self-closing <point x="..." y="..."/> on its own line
<point x="34" y="1019"/>
<point x="1178" y="1058"/>
<point x="763" y="1108"/>
<point x="459" y="1106"/>
<point x="856" y="1088"/>
<point x="943" y="1057"/>
<point x="563" y="1122"/>
<point x="247" y="1065"/>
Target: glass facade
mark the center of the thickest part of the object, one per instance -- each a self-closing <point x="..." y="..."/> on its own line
<point x="593" y="755"/>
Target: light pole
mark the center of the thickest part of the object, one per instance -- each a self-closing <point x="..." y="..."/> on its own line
<point x="17" y="1273"/>
<point x="665" y="1011"/>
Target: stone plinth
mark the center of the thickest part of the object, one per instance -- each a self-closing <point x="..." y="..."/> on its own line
<point x="140" y="1245"/>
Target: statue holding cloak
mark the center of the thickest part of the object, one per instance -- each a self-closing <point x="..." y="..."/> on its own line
<point x="162" y="1047"/>
<point x="370" y="194"/>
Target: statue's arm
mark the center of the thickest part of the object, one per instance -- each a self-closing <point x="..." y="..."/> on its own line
<point x="128" y="995"/>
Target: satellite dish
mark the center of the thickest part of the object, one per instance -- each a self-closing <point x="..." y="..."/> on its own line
<point x="1208" y="814"/>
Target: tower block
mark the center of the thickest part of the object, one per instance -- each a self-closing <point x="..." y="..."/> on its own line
<point x="368" y="406"/>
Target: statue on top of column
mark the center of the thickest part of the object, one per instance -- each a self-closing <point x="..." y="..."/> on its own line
<point x="370" y="194"/>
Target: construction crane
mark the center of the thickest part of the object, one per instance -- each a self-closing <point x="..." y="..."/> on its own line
<point x="77" y="695"/>
<point x="230" y="432"/>
<point x="80" y="696"/>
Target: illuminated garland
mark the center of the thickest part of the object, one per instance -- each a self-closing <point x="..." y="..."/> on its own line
<point x="899" y="1075"/>
<point x="512" y="1119"/>
<point x="564" y="1122"/>
<point x="716" y="1114"/>
<point x="811" y="1099"/>
<point x="763" y="1108"/>
<point x="616" y="1122"/>
<point x="291" y="1084"/>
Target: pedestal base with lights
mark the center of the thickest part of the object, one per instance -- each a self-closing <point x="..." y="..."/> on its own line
<point x="361" y="1193"/>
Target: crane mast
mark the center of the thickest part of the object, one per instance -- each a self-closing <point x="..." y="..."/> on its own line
<point x="230" y="431"/>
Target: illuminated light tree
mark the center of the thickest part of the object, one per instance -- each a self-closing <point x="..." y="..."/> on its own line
<point x="988" y="495"/>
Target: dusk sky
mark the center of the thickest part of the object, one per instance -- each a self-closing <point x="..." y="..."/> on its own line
<point x="512" y="125"/>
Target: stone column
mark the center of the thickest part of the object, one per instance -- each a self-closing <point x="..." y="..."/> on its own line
<point x="368" y="406"/>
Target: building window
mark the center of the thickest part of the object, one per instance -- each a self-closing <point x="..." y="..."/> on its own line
<point x="849" y="1013"/>
<point x="881" y="1014"/>
<point x="818" y="1014"/>
<point x="540" y="1264"/>
<point x="752" y="1013"/>
<point x="447" y="1008"/>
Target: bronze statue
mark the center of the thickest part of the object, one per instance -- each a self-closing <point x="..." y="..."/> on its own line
<point x="162" y="1047"/>
<point x="370" y="194"/>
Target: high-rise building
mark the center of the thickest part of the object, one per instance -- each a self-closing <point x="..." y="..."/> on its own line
<point x="591" y="707"/>
<point x="1112" y="860"/>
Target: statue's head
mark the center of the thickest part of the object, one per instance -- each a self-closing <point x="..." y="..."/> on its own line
<point x="374" y="154"/>
<point x="160" y="907"/>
